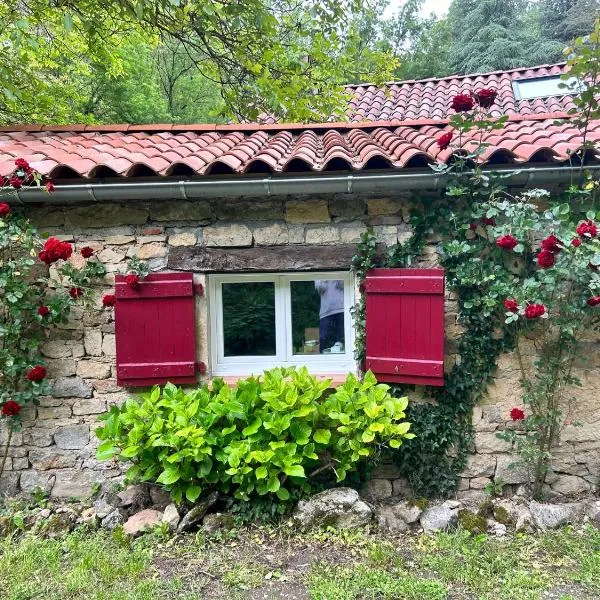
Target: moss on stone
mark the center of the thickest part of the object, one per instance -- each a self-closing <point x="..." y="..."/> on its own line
<point x="418" y="502"/>
<point x="472" y="522"/>
<point x="486" y="509"/>
<point x="503" y="516"/>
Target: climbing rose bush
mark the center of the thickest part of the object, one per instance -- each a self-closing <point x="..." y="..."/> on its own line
<point x="38" y="288"/>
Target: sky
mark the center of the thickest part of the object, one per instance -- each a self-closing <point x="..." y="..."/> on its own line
<point x="437" y="6"/>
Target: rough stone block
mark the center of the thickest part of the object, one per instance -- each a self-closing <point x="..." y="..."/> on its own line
<point x="322" y="235"/>
<point x="36" y="436"/>
<point x="384" y="206"/>
<point x="74" y="484"/>
<point x="183" y="239"/>
<point x="56" y="349"/>
<point x="345" y="206"/>
<point x="226" y="235"/>
<point x="53" y="412"/>
<point x="61" y="367"/>
<point x="72" y="437"/>
<point x="108" y="215"/>
<point x="351" y="233"/>
<point x="147" y="251"/>
<point x="111" y="257"/>
<point x="71" y="387"/>
<point x="307" y="211"/>
<point x="119" y="240"/>
<point x="489" y="443"/>
<point x="44" y="459"/>
<point x="273" y="234"/>
<point x="92" y="341"/>
<point x="509" y="471"/>
<point x="570" y="485"/>
<point x="480" y="465"/>
<point x="109" y="347"/>
<point x="89" y="407"/>
<point x="377" y="489"/>
<point x="91" y="369"/>
<point x="180" y="211"/>
<point x="386" y="234"/>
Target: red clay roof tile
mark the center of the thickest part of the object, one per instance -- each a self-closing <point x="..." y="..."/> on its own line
<point x="395" y="126"/>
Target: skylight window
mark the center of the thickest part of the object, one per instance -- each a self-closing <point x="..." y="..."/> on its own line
<point x="542" y="87"/>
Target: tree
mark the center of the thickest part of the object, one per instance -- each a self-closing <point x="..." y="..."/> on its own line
<point x="489" y="35"/>
<point x="285" y="57"/>
<point x="564" y="20"/>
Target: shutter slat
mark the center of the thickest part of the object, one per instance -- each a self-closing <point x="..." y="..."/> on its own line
<point x="155" y="330"/>
<point x="405" y="325"/>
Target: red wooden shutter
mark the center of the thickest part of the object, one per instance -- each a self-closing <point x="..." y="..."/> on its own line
<point x="405" y="325"/>
<point x="155" y="330"/>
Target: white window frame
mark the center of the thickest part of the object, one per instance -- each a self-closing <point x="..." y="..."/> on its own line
<point x="520" y="87"/>
<point x="318" y="364"/>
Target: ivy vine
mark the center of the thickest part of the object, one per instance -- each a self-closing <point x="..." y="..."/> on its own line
<point x="434" y="459"/>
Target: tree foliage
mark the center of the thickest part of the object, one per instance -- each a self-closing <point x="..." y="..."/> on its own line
<point x="287" y="57"/>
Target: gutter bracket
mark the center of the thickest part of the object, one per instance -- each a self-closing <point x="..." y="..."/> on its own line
<point x="90" y="191"/>
<point x="350" y="184"/>
<point x="267" y="185"/>
<point x="182" y="190"/>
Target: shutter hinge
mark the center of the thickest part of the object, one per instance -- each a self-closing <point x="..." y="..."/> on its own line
<point x="199" y="289"/>
<point x="201" y="367"/>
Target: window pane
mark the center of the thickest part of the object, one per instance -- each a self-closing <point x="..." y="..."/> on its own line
<point x="249" y="319"/>
<point x="550" y="86"/>
<point x="318" y="316"/>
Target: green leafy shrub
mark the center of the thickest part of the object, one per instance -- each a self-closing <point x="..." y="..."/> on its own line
<point x="268" y="435"/>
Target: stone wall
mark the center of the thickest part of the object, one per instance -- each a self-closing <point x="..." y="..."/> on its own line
<point x="55" y="450"/>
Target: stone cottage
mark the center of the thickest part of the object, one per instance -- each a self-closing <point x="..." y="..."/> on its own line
<point x="257" y="224"/>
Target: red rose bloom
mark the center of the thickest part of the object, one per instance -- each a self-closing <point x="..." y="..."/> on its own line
<point x="16" y="182"/>
<point x="534" y="311"/>
<point x="507" y="242"/>
<point x="587" y="229"/>
<point x="49" y="186"/>
<point x="473" y="226"/>
<point x="511" y="305"/>
<point x="593" y="301"/>
<point x="75" y="292"/>
<point x="132" y="280"/>
<point x="576" y="242"/>
<point x="485" y="97"/>
<point x="36" y="374"/>
<point x="21" y="163"/>
<point x="4" y="210"/>
<point x="516" y="414"/>
<point x="108" y="300"/>
<point x="462" y="102"/>
<point x="55" y="250"/>
<point x="489" y="221"/>
<point x="86" y="252"/>
<point x="10" y="408"/>
<point x="551" y="244"/>
<point x="444" y="140"/>
<point x="545" y="259"/>
<point x="43" y="311"/>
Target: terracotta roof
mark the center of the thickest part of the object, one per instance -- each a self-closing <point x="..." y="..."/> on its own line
<point x="398" y="130"/>
<point x="430" y="98"/>
<point x="93" y="154"/>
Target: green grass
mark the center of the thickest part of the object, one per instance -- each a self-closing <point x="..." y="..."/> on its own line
<point x="340" y="566"/>
<point x="94" y="566"/>
<point x="349" y="583"/>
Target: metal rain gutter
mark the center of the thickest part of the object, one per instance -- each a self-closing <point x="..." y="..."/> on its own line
<point x="193" y="189"/>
